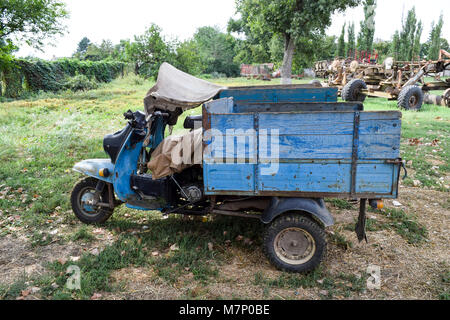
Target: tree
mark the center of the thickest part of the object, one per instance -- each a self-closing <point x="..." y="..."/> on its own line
<point x="31" y="21"/>
<point x="255" y="48"/>
<point x="188" y="58"/>
<point x="149" y="51"/>
<point x="105" y="50"/>
<point x="417" y="45"/>
<point x="406" y="43"/>
<point x="395" y="46"/>
<point x="435" y="39"/>
<point x="217" y="51"/>
<point x="293" y="20"/>
<point x="340" y="52"/>
<point x="367" y="32"/>
<point x="351" y="44"/>
<point x="382" y="48"/>
<point x="83" y="46"/>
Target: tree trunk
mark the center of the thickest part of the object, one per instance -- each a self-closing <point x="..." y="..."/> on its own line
<point x="286" y="68"/>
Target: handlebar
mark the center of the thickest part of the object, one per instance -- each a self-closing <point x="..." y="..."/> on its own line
<point x="129" y="115"/>
<point x="162" y="114"/>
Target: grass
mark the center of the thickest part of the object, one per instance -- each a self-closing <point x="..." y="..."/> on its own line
<point x="135" y="249"/>
<point x="83" y="233"/>
<point x="425" y="144"/>
<point x="404" y="224"/>
<point x="43" y="136"/>
<point x="445" y="285"/>
<point x="330" y="286"/>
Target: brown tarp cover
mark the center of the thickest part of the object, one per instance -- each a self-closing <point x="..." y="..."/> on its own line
<point x="176" y="89"/>
<point x="176" y="153"/>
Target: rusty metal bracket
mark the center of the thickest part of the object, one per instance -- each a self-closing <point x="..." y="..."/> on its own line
<point x="355" y="152"/>
<point x="401" y="163"/>
<point x="361" y="224"/>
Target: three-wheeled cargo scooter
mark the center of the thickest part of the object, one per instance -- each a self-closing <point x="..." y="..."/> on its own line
<point x="269" y="152"/>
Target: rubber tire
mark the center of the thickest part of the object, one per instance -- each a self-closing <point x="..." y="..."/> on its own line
<point x="352" y="91"/>
<point x="446" y="97"/>
<point x="406" y="94"/>
<point x="102" y="215"/>
<point x="291" y="220"/>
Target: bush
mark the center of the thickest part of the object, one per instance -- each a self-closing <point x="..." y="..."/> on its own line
<point x="34" y="75"/>
<point x="80" y="83"/>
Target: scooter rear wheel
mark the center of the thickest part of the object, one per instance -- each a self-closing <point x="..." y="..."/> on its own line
<point x="82" y="194"/>
<point x="295" y="243"/>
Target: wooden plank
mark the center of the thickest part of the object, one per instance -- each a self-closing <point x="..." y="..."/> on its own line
<point x="280" y="94"/>
<point x="307" y="178"/>
<point x="375" y="178"/>
<point x="229" y="177"/>
<point x="220" y="106"/>
<point x="329" y="178"/>
<point x="241" y="107"/>
<point x="223" y="122"/>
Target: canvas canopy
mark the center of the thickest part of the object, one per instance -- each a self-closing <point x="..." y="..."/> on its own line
<point x="176" y="89"/>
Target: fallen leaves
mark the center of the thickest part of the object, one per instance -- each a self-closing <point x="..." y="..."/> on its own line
<point x="414" y="142"/>
<point x="96" y="296"/>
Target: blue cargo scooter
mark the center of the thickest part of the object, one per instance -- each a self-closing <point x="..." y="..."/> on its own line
<point x="290" y="201"/>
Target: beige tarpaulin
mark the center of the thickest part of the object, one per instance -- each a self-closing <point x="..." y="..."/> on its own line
<point x="176" y="89"/>
<point x="176" y="153"/>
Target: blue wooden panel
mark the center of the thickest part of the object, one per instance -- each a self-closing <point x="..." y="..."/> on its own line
<point x="232" y="121"/>
<point x="220" y="106"/>
<point x="316" y="147"/>
<point x="233" y="138"/>
<point x="325" y="123"/>
<point x="327" y="135"/>
<point x="314" y="150"/>
<point x="376" y="178"/>
<point x="307" y="177"/>
<point x="281" y="94"/>
<point x="379" y="146"/>
<point x="229" y="177"/>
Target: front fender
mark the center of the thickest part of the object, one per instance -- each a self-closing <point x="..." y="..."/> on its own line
<point x="92" y="167"/>
<point x="314" y="207"/>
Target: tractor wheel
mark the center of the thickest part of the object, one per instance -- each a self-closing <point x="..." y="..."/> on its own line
<point x="411" y="98"/>
<point x="447" y="97"/>
<point x="352" y="91"/>
<point x="295" y="243"/>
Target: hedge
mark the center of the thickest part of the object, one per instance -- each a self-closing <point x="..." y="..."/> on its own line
<point x="24" y="75"/>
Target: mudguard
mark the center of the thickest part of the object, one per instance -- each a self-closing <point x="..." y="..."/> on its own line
<point x="92" y="167"/>
<point x="315" y="207"/>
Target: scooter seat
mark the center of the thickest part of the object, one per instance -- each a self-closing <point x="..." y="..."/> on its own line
<point x="193" y="122"/>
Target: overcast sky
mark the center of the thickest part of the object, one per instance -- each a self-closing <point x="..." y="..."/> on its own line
<point x="119" y="19"/>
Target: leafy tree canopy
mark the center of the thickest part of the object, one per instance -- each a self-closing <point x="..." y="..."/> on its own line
<point x="31" y="21"/>
<point x="294" y="20"/>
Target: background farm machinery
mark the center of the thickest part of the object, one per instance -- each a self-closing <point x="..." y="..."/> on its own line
<point x="395" y="80"/>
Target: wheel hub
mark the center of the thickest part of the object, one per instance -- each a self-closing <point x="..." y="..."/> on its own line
<point x="87" y="202"/>
<point x="294" y="245"/>
<point x="413" y="101"/>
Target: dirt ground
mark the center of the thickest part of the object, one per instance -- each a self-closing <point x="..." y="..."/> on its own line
<point x="407" y="271"/>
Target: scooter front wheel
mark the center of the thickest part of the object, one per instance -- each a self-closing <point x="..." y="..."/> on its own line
<point x="82" y="198"/>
